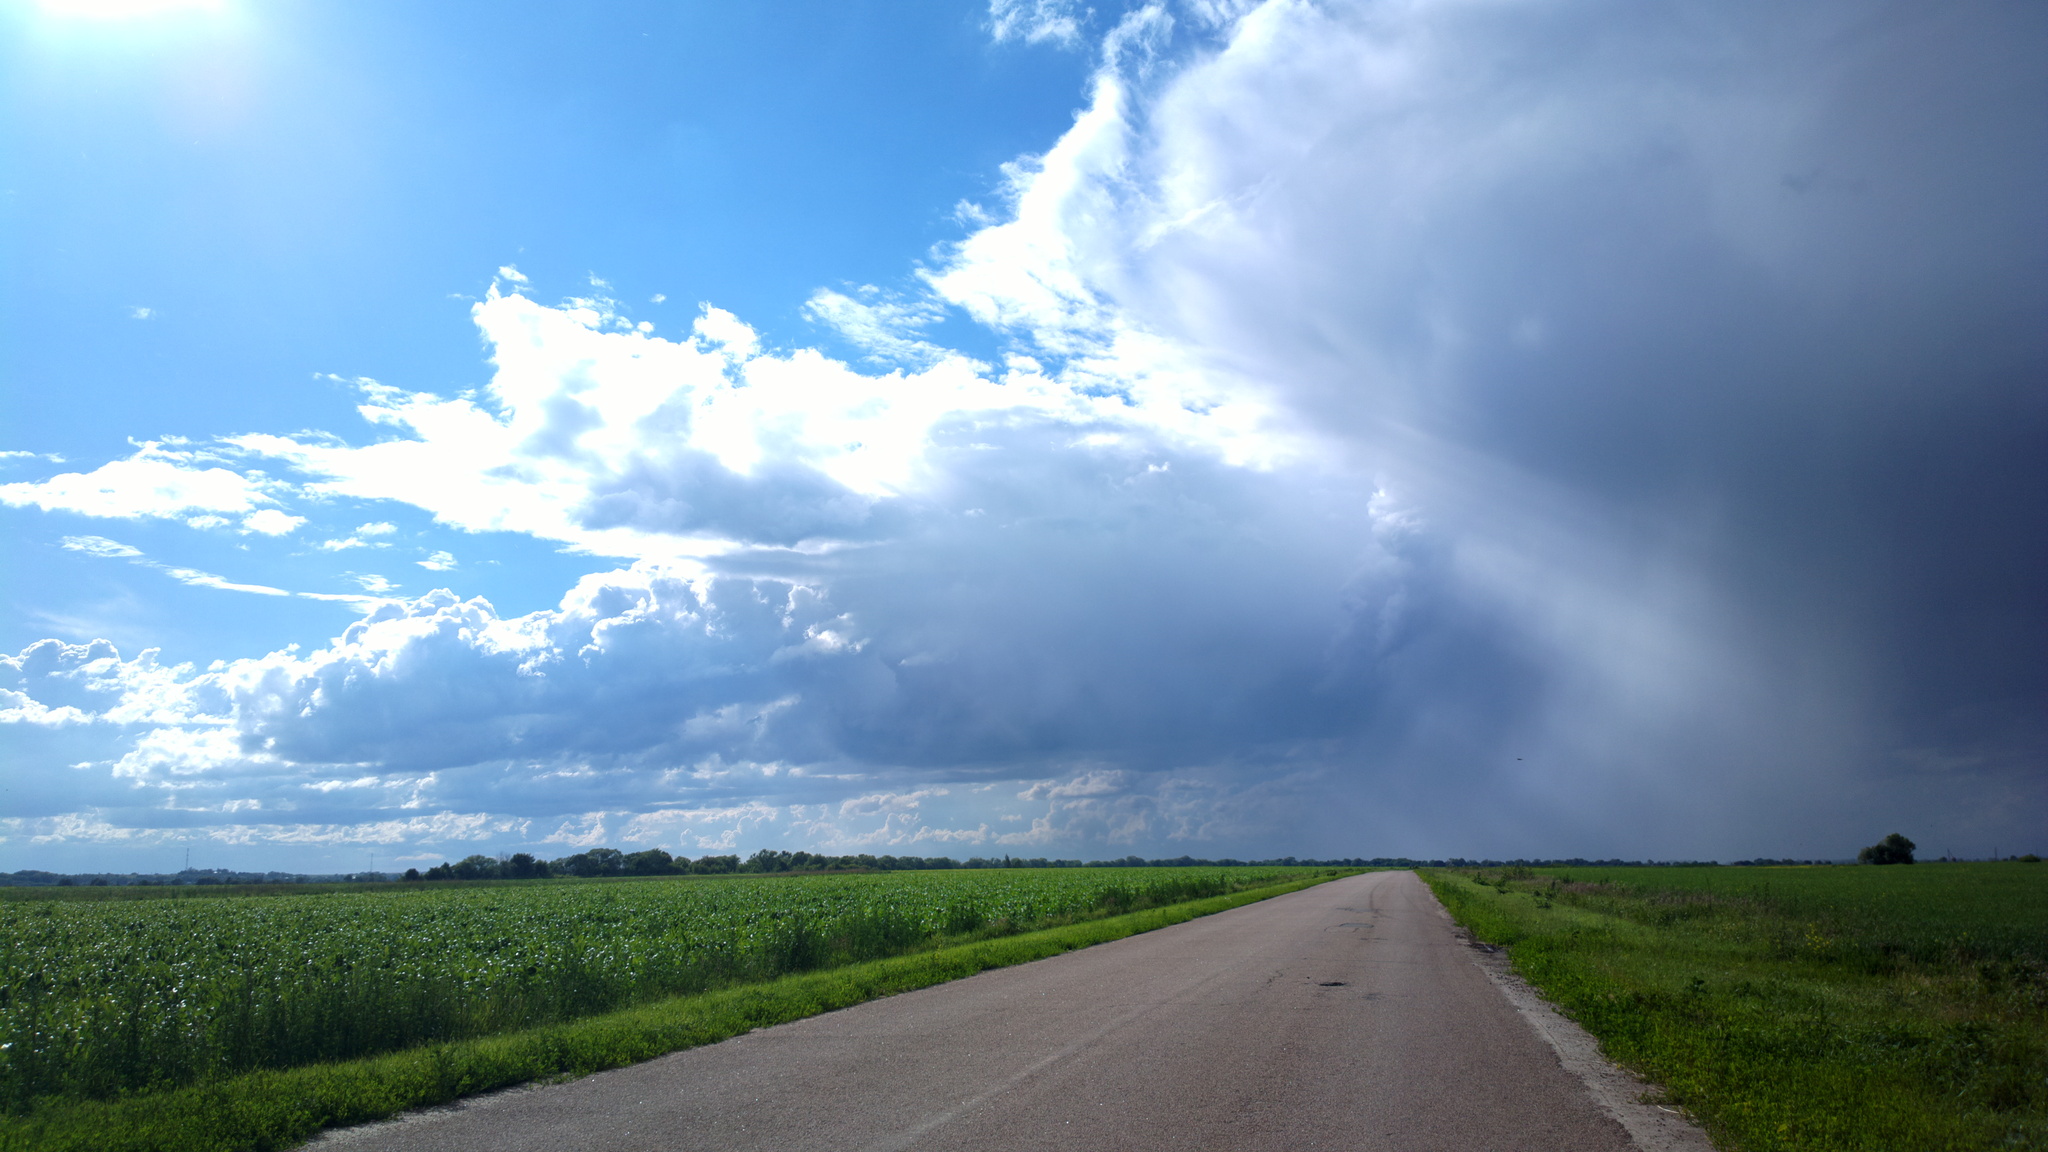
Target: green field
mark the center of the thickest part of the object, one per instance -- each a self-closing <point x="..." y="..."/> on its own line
<point x="1878" y="1009"/>
<point x="104" y="1000"/>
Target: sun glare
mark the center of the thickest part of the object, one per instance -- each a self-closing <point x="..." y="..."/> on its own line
<point x="126" y="9"/>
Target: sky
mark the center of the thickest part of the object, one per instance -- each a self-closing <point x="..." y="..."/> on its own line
<point x="1486" y="428"/>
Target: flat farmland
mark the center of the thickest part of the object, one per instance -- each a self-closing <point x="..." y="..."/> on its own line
<point x="1799" y="1008"/>
<point x="104" y="999"/>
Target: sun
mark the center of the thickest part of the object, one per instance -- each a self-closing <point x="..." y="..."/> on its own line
<point x="125" y="9"/>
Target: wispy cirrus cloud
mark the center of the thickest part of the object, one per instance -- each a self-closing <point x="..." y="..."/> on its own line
<point x="1038" y="21"/>
<point x="887" y="329"/>
<point x="99" y="546"/>
<point x="365" y="536"/>
<point x="115" y="550"/>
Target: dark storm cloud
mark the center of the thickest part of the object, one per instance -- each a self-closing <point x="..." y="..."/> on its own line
<point x="1710" y="342"/>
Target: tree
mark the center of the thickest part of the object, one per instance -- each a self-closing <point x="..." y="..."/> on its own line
<point x="652" y="862"/>
<point x="596" y="862"/>
<point x="522" y="866"/>
<point x="477" y="867"/>
<point x="412" y="873"/>
<point x="1893" y="849"/>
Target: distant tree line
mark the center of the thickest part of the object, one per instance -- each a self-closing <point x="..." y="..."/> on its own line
<point x="37" y="878"/>
<point x="656" y="862"/>
<point x="1579" y="862"/>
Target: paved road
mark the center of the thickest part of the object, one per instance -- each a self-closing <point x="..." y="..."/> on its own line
<point x="1345" y="1016"/>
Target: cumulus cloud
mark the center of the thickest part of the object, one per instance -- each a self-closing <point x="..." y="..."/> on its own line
<point x="1441" y="429"/>
<point x="616" y="442"/>
<point x="91" y="682"/>
<point x="271" y="522"/>
<point x="290" y="721"/>
<point x="19" y="708"/>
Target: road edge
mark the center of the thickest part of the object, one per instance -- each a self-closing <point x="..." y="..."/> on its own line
<point x="1615" y="1090"/>
<point x="1166" y="916"/>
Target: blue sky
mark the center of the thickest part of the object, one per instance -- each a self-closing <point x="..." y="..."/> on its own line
<point x="1567" y="428"/>
<point x="295" y="192"/>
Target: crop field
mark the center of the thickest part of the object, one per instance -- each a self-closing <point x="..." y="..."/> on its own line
<point x="1855" y="1007"/>
<point x="100" y="999"/>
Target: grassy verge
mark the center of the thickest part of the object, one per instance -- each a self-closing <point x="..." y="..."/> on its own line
<point x="1865" y="1009"/>
<point x="279" y="1109"/>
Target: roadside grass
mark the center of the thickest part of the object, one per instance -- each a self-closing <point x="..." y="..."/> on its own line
<point x="1860" y="1009"/>
<point x="282" y="1108"/>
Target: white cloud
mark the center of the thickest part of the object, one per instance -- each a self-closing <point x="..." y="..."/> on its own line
<point x="200" y="579"/>
<point x="141" y="313"/>
<point x="99" y="546"/>
<point x="361" y="603"/>
<point x="20" y="708"/>
<point x="620" y="443"/>
<point x="372" y="582"/>
<point x="113" y="549"/>
<point x="156" y="481"/>
<point x="76" y="683"/>
<point x="726" y="333"/>
<point x="271" y="522"/>
<point x="356" y="540"/>
<point x="1037" y="21"/>
<point x="438" y="562"/>
<point x="441" y="828"/>
<point x="888" y="330"/>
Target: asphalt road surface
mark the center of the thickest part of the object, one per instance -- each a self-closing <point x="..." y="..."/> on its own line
<point x="1346" y="1016"/>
